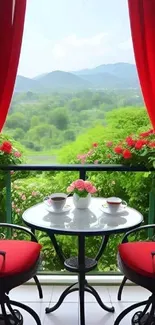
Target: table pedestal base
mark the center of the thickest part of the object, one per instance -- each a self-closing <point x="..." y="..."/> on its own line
<point x="81" y="265"/>
<point x="76" y="287"/>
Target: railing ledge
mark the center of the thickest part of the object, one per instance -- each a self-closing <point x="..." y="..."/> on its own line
<point x="76" y="167"/>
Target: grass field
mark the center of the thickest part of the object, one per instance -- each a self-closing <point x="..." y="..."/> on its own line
<point x="41" y="158"/>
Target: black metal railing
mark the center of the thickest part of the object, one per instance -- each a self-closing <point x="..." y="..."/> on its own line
<point x="82" y="169"/>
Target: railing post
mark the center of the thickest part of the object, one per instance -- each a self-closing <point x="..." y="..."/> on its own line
<point x="151" y="216"/>
<point x="8" y="197"/>
<point x="82" y="174"/>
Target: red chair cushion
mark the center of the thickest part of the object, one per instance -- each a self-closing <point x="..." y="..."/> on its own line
<point x="20" y="256"/>
<point x="137" y="256"/>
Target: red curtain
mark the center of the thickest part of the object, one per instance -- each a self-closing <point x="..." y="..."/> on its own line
<point x="142" y="20"/>
<point x="12" y="14"/>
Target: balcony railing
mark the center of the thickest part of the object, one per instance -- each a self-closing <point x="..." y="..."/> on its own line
<point x="82" y="169"/>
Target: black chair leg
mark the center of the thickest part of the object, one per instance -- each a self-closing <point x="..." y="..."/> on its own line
<point x="121" y="288"/>
<point x="127" y="310"/>
<point x="38" y="286"/>
<point x="4" y="315"/>
<point x="17" y="316"/>
<point x="14" y="318"/>
<point x="28" y="309"/>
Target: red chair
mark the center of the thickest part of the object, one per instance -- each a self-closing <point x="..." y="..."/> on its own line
<point x="19" y="260"/>
<point x="136" y="261"/>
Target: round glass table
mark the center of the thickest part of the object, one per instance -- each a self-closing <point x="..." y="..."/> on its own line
<point x="81" y="223"/>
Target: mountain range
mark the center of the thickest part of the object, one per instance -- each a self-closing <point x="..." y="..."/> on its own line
<point x="107" y="76"/>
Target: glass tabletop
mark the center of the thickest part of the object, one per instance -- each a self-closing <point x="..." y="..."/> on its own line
<point x="94" y="220"/>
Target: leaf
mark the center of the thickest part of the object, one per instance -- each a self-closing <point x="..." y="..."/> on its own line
<point x="146" y="175"/>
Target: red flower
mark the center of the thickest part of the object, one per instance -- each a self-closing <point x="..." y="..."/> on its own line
<point x="139" y="144"/>
<point x="6" y="147"/>
<point x="151" y="144"/>
<point x="147" y="133"/>
<point x="127" y="154"/>
<point x="130" y="141"/>
<point x="118" y="150"/>
<point x="17" y="154"/>
<point x="95" y="144"/>
<point x="109" y="144"/>
<point x="145" y="141"/>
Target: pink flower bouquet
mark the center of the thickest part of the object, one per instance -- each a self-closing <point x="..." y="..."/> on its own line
<point x="81" y="188"/>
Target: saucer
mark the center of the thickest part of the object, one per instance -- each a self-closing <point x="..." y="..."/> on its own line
<point x="66" y="208"/>
<point x="106" y="210"/>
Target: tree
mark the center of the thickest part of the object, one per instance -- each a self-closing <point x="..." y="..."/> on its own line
<point x="17" y="120"/>
<point x="60" y="118"/>
<point x="35" y="120"/>
<point x="41" y="131"/>
<point x="18" y="134"/>
<point x="69" y="135"/>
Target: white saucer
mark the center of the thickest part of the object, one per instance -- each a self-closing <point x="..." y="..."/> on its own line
<point x="66" y="208"/>
<point x="106" y="210"/>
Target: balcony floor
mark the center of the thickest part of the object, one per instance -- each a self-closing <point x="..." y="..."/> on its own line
<point x="68" y="311"/>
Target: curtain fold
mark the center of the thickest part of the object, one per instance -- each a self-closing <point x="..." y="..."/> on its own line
<point x="142" y="21"/>
<point x="12" y="16"/>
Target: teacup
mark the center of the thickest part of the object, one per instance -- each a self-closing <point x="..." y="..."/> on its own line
<point x="57" y="201"/>
<point x="114" y="204"/>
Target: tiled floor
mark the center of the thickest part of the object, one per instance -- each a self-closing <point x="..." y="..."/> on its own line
<point x="68" y="313"/>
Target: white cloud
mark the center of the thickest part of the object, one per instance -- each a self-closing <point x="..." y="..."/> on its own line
<point x="71" y="44"/>
<point x="73" y="53"/>
<point x="90" y="41"/>
<point x="40" y="54"/>
<point x="59" y="51"/>
<point x="126" y="45"/>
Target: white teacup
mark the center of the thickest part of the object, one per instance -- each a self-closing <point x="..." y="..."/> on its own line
<point x="57" y="201"/>
<point x="114" y="204"/>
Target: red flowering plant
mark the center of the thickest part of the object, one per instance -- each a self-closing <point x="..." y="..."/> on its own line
<point x="133" y="150"/>
<point x="9" y="155"/>
<point x="136" y="150"/>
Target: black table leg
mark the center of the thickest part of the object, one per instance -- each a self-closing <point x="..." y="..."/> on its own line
<point x="81" y="262"/>
<point x="68" y="290"/>
<point x="80" y="265"/>
<point x="91" y="290"/>
<point x="56" y="246"/>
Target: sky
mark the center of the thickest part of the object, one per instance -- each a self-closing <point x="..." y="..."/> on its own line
<point x="71" y="35"/>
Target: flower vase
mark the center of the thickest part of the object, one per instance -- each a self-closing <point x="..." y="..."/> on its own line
<point x="81" y="202"/>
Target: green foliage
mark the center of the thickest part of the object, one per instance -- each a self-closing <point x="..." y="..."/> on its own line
<point x="18" y="134"/>
<point x="9" y="155"/>
<point x="128" y="120"/>
<point x="17" y="120"/>
<point x="61" y="117"/>
<point x="69" y="135"/>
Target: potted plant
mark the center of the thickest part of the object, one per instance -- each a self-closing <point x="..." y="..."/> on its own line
<point x="82" y="191"/>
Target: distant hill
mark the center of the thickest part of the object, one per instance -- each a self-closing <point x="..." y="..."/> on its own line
<point x="106" y="76"/>
<point x="63" y="80"/>
<point x="24" y="84"/>
<point x="56" y="80"/>
<point x="107" y="80"/>
<point x="118" y="69"/>
<point x="124" y="74"/>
